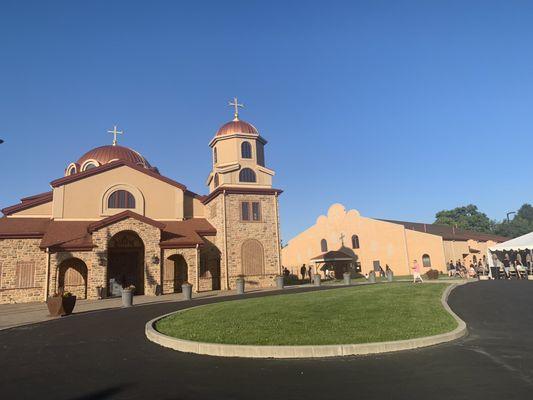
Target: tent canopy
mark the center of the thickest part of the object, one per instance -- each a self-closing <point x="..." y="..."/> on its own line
<point x="520" y="243"/>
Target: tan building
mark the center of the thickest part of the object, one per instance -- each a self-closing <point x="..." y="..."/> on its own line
<point x="114" y="220"/>
<point x="345" y="239"/>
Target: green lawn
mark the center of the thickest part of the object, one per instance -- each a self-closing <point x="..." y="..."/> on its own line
<point x="340" y="316"/>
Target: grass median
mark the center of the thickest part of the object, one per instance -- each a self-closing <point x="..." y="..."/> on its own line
<point x="359" y="314"/>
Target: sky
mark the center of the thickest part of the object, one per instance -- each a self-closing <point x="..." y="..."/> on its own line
<point x="398" y="109"/>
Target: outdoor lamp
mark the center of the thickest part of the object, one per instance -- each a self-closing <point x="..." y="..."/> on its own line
<point x="155" y="260"/>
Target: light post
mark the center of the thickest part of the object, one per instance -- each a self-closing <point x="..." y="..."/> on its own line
<point x="509" y="213"/>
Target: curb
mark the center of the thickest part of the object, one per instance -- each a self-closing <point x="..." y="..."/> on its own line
<point x="251" y="351"/>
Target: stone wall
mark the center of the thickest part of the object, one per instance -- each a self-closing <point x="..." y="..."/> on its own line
<point x="21" y="250"/>
<point x="190" y="255"/>
<point x="96" y="273"/>
<point x="237" y="232"/>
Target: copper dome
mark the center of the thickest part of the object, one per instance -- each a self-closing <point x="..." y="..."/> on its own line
<point x="236" y="126"/>
<point x="105" y="154"/>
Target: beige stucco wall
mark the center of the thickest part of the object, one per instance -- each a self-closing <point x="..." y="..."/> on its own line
<point x="465" y="250"/>
<point x="379" y="241"/>
<point x="83" y="199"/>
<point x="42" y="210"/>
<point x="420" y="243"/>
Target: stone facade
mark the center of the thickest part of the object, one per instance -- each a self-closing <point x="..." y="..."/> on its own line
<point x="191" y="257"/>
<point x="13" y="253"/>
<point x="237" y="232"/>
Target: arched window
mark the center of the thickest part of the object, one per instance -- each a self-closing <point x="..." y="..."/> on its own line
<point x="260" y="154"/>
<point x="355" y="242"/>
<point x="71" y="170"/>
<point x="247" y="175"/>
<point x="216" y="180"/>
<point x="252" y="257"/>
<point x="246" y="150"/>
<point x="323" y="245"/>
<point x="89" y="166"/>
<point x="121" y="199"/>
<point x="215" y="157"/>
<point x="426" y="261"/>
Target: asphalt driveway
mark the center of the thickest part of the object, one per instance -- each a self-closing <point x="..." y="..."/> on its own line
<point x="105" y="355"/>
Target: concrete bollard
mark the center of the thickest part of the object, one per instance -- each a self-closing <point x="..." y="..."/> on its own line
<point x="186" y="289"/>
<point x="316" y="280"/>
<point x="239" y="282"/>
<point x="279" y="282"/>
<point x="127" y="297"/>
<point x="347" y="277"/>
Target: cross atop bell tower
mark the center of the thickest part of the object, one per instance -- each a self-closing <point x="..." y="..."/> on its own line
<point x="236" y="105"/>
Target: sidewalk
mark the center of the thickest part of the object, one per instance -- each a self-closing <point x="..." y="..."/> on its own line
<point x="12" y="315"/>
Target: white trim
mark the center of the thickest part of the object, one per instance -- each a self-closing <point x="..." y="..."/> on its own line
<point x="136" y="193"/>
<point x="89" y="161"/>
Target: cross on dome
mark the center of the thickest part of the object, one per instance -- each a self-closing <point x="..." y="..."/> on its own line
<point x="115" y="132"/>
<point x="236" y="105"/>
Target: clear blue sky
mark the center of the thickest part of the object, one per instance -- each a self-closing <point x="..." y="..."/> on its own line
<point x="396" y="108"/>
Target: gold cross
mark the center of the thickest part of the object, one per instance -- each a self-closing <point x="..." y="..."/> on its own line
<point x="236" y="105"/>
<point x="115" y="133"/>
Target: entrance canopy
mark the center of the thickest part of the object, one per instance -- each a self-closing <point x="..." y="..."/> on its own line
<point x="524" y="242"/>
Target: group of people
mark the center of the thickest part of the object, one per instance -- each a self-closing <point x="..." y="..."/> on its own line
<point x="514" y="264"/>
<point x="474" y="270"/>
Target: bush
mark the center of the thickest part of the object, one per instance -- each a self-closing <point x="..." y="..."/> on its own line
<point x="291" y="280"/>
<point x="432" y="274"/>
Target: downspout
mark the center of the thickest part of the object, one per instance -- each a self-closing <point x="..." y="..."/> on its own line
<point x="197" y="268"/>
<point x="47" y="278"/>
<point x="277" y="234"/>
<point x="226" y="268"/>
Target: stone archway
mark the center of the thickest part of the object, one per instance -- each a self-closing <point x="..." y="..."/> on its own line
<point x="72" y="277"/>
<point x="125" y="264"/>
<point x="177" y="271"/>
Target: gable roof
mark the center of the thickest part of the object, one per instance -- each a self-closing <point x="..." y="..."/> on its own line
<point x="121" y="216"/>
<point x="28" y="202"/>
<point x="333" y="255"/>
<point x="448" y="232"/>
<point x="187" y="233"/>
<point x="112" y="165"/>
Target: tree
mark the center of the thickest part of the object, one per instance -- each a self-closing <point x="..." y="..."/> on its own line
<point x="465" y="217"/>
<point x="521" y="224"/>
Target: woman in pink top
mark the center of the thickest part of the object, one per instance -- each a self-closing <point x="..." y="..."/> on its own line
<point x="416" y="272"/>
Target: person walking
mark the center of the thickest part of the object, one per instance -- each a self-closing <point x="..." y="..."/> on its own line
<point x="310" y="272"/>
<point x="416" y="272"/>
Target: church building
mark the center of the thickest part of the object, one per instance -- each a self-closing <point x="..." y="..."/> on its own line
<point x="113" y="220"/>
<point x="345" y="240"/>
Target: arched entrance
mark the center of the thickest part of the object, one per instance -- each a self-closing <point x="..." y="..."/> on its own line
<point x="73" y="277"/>
<point x="125" y="263"/>
<point x="177" y="270"/>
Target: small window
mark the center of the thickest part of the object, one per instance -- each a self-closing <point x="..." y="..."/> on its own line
<point x="323" y="245"/>
<point x="245" y="211"/>
<point x="355" y="242"/>
<point x="89" y="166"/>
<point x="247" y="175"/>
<point x="246" y="150"/>
<point x="260" y="154"/>
<point x="426" y="261"/>
<point x="250" y="211"/>
<point x="216" y="180"/>
<point x="71" y="170"/>
<point x="121" y="199"/>
<point x="215" y="157"/>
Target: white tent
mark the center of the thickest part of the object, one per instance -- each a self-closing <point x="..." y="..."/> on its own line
<point x="524" y="242"/>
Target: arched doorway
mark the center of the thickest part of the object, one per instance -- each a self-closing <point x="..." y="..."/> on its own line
<point x="125" y="263"/>
<point x="73" y="277"/>
<point x="176" y="269"/>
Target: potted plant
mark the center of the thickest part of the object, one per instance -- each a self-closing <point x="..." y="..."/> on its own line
<point x="239" y="283"/>
<point x="127" y="296"/>
<point x="61" y="304"/>
<point x="279" y="281"/>
<point x="186" y="289"/>
<point x="316" y="279"/>
<point x="347" y="277"/>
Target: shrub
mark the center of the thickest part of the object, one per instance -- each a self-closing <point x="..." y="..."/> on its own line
<point x="291" y="280"/>
<point x="432" y="274"/>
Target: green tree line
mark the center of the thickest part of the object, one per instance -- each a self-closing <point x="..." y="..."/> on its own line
<point x="470" y="218"/>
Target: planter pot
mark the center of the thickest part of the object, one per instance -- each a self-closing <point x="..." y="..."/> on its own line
<point x="279" y="282"/>
<point x="240" y="285"/>
<point x="372" y="277"/>
<point x="99" y="293"/>
<point x="347" y="278"/>
<point x="186" y="289"/>
<point x="483" y="277"/>
<point x="390" y="276"/>
<point x="530" y="277"/>
<point x="127" y="297"/>
<point x="59" y="306"/>
<point x="316" y="280"/>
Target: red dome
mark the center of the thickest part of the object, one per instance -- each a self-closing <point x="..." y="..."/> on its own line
<point x="105" y="154"/>
<point x="237" y="126"/>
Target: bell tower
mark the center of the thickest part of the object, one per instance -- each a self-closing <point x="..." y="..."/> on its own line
<point x="242" y="205"/>
<point x="238" y="156"/>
